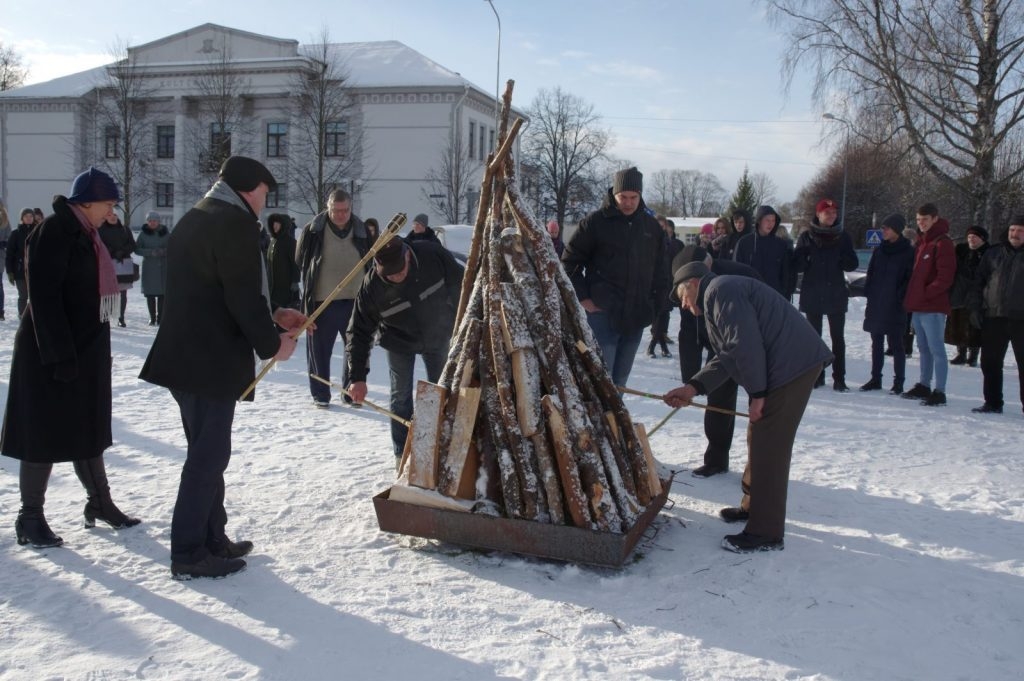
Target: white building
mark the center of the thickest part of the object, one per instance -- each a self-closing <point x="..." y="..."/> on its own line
<point x="404" y="109"/>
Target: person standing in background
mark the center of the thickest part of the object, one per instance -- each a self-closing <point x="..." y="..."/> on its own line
<point x="282" y="272"/>
<point x="959" y="331"/>
<point x="120" y="244"/>
<point x="14" y="259"/>
<point x="152" y="246"/>
<point x="768" y="251"/>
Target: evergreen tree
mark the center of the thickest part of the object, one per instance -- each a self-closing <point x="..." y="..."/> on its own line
<point x="744" y="198"/>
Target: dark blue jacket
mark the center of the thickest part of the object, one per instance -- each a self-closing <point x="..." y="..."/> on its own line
<point x="886" y="284"/>
<point x="770" y="255"/>
<point x="823" y="254"/>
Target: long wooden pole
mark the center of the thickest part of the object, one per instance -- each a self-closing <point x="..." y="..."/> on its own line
<point x="396" y="224"/>
<point x="368" y="403"/>
<point x="708" y="407"/>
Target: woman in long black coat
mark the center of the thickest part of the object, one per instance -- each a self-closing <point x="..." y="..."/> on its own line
<point x="282" y="272"/>
<point x="59" y="398"/>
<point x="885" y="287"/>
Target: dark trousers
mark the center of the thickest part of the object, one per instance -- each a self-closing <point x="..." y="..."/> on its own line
<point x="659" y="331"/>
<point x="770" y="450"/>
<point x="997" y="333"/>
<point x="320" y="345"/>
<point x="199" y="516"/>
<point x="718" y="427"/>
<point x="22" y="295"/>
<point x="401" y="366"/>
<point x="836" y="326"/>
<point x="124" y="304"/>
<point x="894" y="337"/>
<point x="156" y="308"/>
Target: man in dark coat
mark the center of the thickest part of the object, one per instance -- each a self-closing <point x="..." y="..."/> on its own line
<point x="998" y="309"/>
<point x="410" y="297"/>
<point x="765" y="345"/>
<point x="217" y="314"/>
<point x="823" y="253"/>
<point x="329" y="248"/>
<point x="740" y="225"/>
<point x="885" y="287"/>
<point x="693" y="340"/>
<point x="927" y="300"/>
<point x="767" y="251"/>
<point x="616" y="262"/>
<point x="282" y="273"/>
<point x="421" y="230"/>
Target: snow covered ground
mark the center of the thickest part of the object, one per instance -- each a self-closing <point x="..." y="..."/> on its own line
<point x="904" y="554"/>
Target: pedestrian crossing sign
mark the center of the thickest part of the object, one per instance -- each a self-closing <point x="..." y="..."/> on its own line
<point x="874" y="238"/>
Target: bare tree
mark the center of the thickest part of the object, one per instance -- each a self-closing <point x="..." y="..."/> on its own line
<point x="764" y="188"/>
<point x="661" y="192"/>
<point x="452" y="180"/>
<point x="327" y="146"/>
<point x="565" y="143"/>
<point x="124" y="141"/>
<point x="219" y="119"/>
<point x="947" y="73"/>
<point x="12" y="71"/>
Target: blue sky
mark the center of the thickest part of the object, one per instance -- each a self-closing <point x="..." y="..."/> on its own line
<point x="691" y="84"/>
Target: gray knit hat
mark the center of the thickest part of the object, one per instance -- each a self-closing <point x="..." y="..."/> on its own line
<point x="628" y="180"/>
<point x="422" y="219"/>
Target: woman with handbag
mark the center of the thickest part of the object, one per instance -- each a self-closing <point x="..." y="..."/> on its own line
<point x="120" y="244"/>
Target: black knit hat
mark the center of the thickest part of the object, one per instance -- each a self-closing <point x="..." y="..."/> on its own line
<point x="243" y="174"/>
<point x="1017" y="220"/>
<point x="688" y="255"/>
<point x="895" y="222"/>
<point x="978" y="231"/>
<point x="628" y="180"/>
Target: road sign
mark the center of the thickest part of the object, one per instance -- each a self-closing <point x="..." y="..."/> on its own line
<point x="874" y="238"/>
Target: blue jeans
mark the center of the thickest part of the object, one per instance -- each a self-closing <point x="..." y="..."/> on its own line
<point x="617" y="348"/>
<point x="320" y="345"/>
<point x="401" y="366"/>
<point x="929" y="328"/>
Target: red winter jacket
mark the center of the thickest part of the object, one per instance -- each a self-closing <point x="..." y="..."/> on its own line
<point x="934" y="271"/>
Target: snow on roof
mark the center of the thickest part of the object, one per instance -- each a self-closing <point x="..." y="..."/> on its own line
<point x="387" y="63"/>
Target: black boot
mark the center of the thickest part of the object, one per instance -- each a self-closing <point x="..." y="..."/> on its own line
<point x="100" y="506"/>
<point x="972" y="357"/>
<point x="960" y="358"/>
<point x="31" y="527"/>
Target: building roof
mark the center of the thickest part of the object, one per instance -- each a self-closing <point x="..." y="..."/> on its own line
<point x="382" y="64"/>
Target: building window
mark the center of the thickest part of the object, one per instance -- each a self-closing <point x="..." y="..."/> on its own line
<point x="491" y="139"/>
<point x="472" y="140"/>
<point x="335" y="134"/>
<point x="220" y="143"/>
<point x="165" y="141"/>
<point x="112" y="142"/>
<point x="481" y="151"/>
<point x="165" y="195"/>
<point x="278" y="197"/>
<point x="277" y="139"/>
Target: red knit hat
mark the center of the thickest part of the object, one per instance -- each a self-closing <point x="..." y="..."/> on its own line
<point x="825" y="203"/>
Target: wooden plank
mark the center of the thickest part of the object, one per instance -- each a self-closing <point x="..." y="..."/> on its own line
<point x="652" y="467"/>
<point x="425" y="431"/>
<point x="462" y="438"/>
<point x="575" y="500"/>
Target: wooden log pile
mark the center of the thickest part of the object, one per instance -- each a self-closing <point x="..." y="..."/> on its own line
<point x="525" y="421"/>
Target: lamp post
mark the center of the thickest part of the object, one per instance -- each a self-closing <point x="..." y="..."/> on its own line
<point x="846" y="163"/>
<point x="497" y="72"/>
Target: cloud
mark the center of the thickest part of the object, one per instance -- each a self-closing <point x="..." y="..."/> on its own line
<point x="575" y="54"/>
<point x="626" y="70"/>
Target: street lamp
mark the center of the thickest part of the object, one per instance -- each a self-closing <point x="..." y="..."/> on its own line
<point x="497" y="72"/>
<point x="846" y="163"/>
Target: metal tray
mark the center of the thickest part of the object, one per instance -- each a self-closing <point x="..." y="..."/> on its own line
<point x="557" y="542"/>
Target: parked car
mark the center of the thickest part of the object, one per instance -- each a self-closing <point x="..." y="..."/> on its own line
<point x="855" y="280"/>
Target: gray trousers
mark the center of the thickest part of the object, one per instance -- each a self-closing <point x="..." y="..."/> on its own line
<point x="769" y="452"/>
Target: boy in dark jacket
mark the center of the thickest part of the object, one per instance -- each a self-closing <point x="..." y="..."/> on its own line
<point x="767" y="251"/>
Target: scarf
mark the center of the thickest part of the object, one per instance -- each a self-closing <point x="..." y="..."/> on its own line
<point x="110" y="295"/>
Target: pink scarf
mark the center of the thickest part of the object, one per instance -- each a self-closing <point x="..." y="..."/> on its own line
<point x="110" y="296"/>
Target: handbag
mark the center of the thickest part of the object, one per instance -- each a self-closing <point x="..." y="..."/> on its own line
<point x="127" y="271"/>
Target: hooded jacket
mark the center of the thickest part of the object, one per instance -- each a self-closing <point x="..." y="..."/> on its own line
<point x="619" y="263"/>
<point x="770" y="255"/>
<point x="886" y="285"/>
<point x="823" y="254"/>
<point x="934" y="270"/>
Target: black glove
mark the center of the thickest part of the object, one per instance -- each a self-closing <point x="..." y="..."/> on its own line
<point x="976" y="319"/>
<point x="65" y="372"/>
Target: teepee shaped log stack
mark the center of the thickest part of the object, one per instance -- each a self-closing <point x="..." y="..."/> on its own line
<point x="525" y="422"/>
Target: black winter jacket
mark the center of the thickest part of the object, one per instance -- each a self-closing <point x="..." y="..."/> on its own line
<point x="118" y="239"/>
<point x="967" y="262"/>
<point x="886" y="285"/>
<point x="414" y="316"/>
<point x="282" y="273"/>
<point x="999" y="284"/>
<point x="619" y="263"/>
<point x="823" y="254"/>
<point x="770" y="255"/>
<point x="15" y="258"/>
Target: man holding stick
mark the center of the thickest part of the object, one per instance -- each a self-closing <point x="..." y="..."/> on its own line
<point x="410" y="296"/>
<point x="217" y="313"/>
<point x="764" y="344"/>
